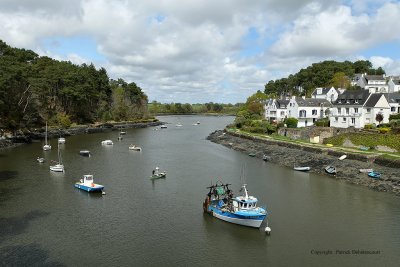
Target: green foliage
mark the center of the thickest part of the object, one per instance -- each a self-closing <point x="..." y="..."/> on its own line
<point x="384" y="130"/>
<point x="64" y="120"/>
<point x="394" y="117"/>
<point x="323" y="122"/>
<point x="291" y="122"/>
<point x="369" y="126"/>
<point x="323" y="74"/>
<point x="366" y="139"/>
<point x="178" y="108"/>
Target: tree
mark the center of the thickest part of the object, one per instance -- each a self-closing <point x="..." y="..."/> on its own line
<point x="340" y="80"/>
<point x="379" y="118"/>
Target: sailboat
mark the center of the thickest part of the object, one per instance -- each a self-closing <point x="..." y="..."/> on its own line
<point x="59" y="167"/>
<point x="46" y="145"/>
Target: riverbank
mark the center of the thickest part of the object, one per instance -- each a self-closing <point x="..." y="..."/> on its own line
<point x="37" y="135"/>
<point x="289" y="154"/>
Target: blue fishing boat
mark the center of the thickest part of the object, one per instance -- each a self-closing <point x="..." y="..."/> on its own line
<point x="87" y="184"/>
<point x="375" y="175"/>
<point x="241" y="209"/>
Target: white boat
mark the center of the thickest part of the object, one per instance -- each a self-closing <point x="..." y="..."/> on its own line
<point x="242" y="209"/>
<point x="302" y="169"/>
<point x="46" y="146"/>
<point x="87" y="184"/>
<point x="366" y="170"/>
<point x="342" y="157"/>
<point x="61" y="140"/>
<point x="135" y="148"/>
<point x="163" y="126"/>
<point x="59" y="167"/>
<point x="107" y="142"/>
<point x="122" y="133"/>
<point x="158" y="174"/>
<point x="197" y="122"/>
<point x="40" y="160"/>
<point x="179" y="125"/>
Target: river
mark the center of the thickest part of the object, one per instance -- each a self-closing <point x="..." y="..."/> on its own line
<point x="315" y="220"/>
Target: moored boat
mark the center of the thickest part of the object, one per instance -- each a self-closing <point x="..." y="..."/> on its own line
<point x="107" y="142"/>
<point x="40" y="160"/>
<point x="156" y="173"/>
<point x="375" y="175"/>
<point x="163" y="126"/>
<point x="366" y="170"/>
<point x="135" y="148"/>
<point x="330" y="170"/>
<point x="85" y="153"/>
<point x="252" y="154"/>
<point x="242" y="209"/>
<point x="59" y="166"/>
<point x="61" y="140"/>
<point x="87" y="184"/>
<point x="266" y="157"/>
<point x="302" y="169"/>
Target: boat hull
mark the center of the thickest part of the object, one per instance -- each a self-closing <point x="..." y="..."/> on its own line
<point x="302" y="169"/>
<point x="161" y="175"/>
<point x="57" y="168"/>
<point x="251" y="221"/>
<point x="95" y="188"/>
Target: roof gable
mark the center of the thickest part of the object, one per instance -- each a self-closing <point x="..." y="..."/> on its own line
<point x="352" y="97"/>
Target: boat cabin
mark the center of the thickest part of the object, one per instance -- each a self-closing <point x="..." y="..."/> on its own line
<point x="87" y="180"/>
<point x="245" y="204"/>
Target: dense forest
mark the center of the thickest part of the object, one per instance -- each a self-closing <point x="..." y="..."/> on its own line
<point x="36" y="89"/>
<point x="323" y="74"/>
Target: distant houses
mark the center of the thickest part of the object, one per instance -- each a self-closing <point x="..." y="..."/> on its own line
<point x="343" y="108"/>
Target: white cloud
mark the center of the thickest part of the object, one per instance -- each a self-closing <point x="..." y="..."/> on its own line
<point x="184" y="52"/>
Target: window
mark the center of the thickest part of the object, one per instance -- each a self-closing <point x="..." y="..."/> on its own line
<point x="302" y="113"/>
<point x="393" y="109"/>
<point x="339" y="110"/>
<point x="344" y="119"/>
<point x="282" y="113"/>
<point x="353" y="120"/>
<point x="336" y="119"/>
<point x="347" y="111"/>
<point x="314" y="112"/>
<point x="355" y="110"/>
<point x="368" y="110"/>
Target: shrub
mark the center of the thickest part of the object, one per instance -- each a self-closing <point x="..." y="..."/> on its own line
<point x="369" y="126"/>
<point x="384" y="130"/>
<point x="291" y="122"/>
<point x="322" y="122"/>
<point x="394" y="117"/>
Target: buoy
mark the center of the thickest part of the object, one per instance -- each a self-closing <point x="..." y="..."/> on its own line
<point x="267" y="230"/>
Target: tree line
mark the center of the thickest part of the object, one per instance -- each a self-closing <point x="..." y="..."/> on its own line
<point x="179" y="108"/>
<point x="322" y="74"/>
<point x="35" y="89"/>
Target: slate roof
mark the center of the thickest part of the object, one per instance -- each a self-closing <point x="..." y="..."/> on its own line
<point x="352" y="97"/>
<point x="396" y="82"/>
<point x="372" y="100"/>
<point x="393" y="97"/>
<point x="312" y="102"/>
<point x="282" y="103"/>
<point x="375" y="77"/>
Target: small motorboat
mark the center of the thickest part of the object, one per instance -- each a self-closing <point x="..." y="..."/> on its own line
<point x="135" y="148"/>
<point x="85" y="153"/>
<point x="266" y="158"/>
<point x="163" y="126"/>
<point x="366" y="170"/>
<point x="87" y="184"/>
<point x="178" y="125"/>
<point x="107" y="142"/>
<point x="252" y="154"/>
<point x="302" y="169"/>
<point x="61" y="140"/>
<point x="197" y="122"/>
<point x="40" y="160"/>
<point x="342" y="157"/>
<point x="375" y="175"/>
<point x="364" y="148"/>
<point x="158" y="174"/>
<point x="330" y="170"/>
<point x="122" y="133"/>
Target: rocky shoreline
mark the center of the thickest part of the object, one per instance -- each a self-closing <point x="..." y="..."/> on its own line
<point x="36" y="135"/>
<point x="289" y="154"/>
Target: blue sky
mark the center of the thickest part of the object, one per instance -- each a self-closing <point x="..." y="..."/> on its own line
<point x="202" y="51"/>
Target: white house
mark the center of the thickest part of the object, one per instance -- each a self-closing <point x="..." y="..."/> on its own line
<point x="375" y="83"/>
<point x="394" y="85"/>
<point x="394" y="102"/>
<point x="329" y="94"/>
<point x="358" y="108"/>
<point x="307" y="110"/>
<point x="276" y="110"/>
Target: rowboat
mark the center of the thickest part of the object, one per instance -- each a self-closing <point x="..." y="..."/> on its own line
<point x="302" y="169"/>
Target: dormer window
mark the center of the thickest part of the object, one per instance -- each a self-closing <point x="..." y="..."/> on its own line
<point x="339" y="101"/>
<point x="348" y="101"/>
<point x="356" y="101"/>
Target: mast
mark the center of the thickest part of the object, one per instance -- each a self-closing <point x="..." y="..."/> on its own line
<point x="46" y="135"/>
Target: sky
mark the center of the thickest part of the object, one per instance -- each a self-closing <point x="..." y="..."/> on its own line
<point x="194" y="51"/>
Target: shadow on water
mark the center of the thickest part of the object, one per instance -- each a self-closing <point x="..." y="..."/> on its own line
<point x="7" y="193"/>
<point x="7" y="175"/>
<point x="17" y="225"/>
<point x="28" y="255"/>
